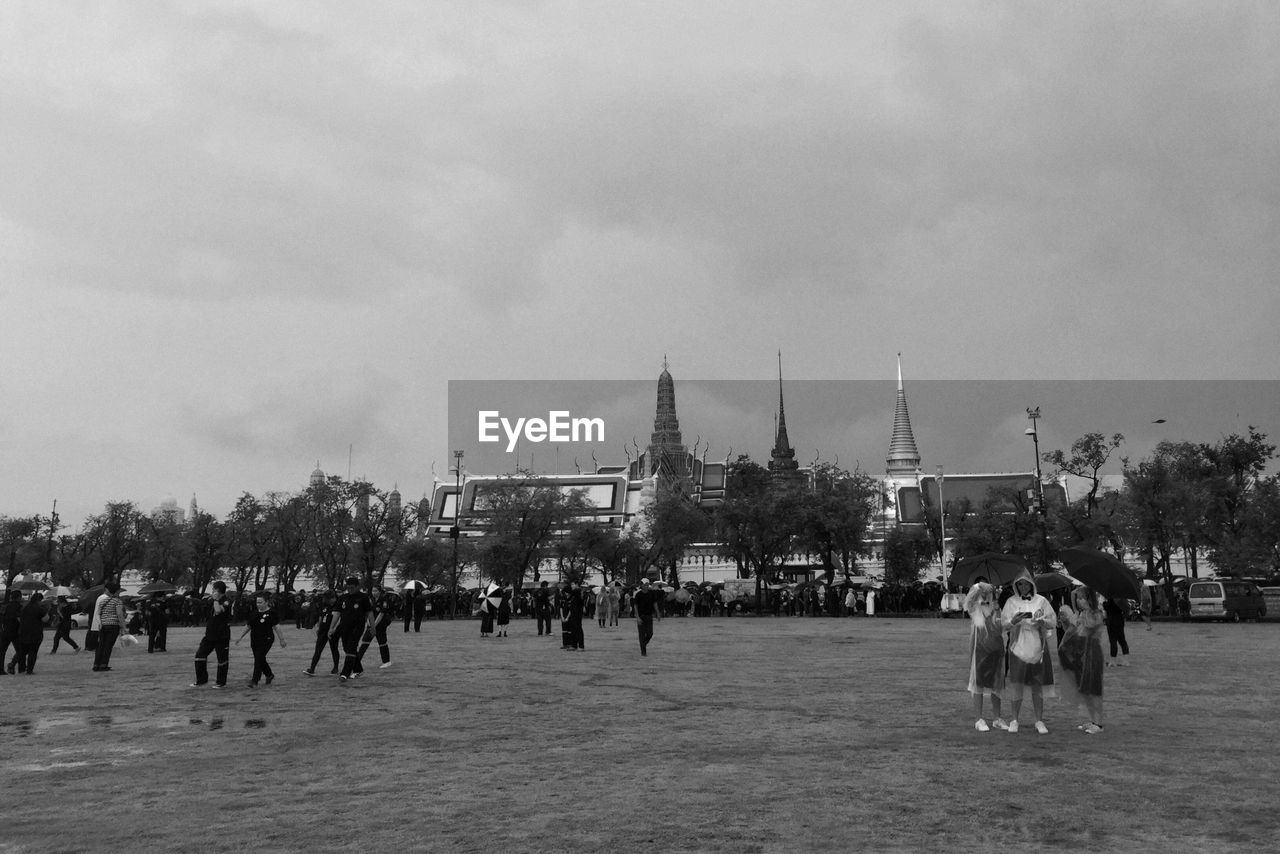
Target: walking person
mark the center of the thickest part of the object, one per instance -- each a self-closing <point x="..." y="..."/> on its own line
<point x="217" y="639"/>
<point x="1114" y="611"/>
<point x="1028" y="620"/>
<point x="986" y="653"/>
<point x="354" y="609"/>
<point x="410" y="594"/>
<point x="263" y="629"/>
<point x="326" y="617"/>
<point x="646" y="608"/>
<point x="380" y="620"/>
<point x="487" y="613"/>
<point x="571" y="610"/>
<point x="157" y="624"/>
<point x="10" y="620"/>
<point x="1080" y="654"/>
<point x="62" y="625"/>
<point x="110" y="619"/>
<point x="30" y="633"/>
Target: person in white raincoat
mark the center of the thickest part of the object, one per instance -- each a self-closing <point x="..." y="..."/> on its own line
<point x="1029" y="624"/>
<point x="986" y="653"/>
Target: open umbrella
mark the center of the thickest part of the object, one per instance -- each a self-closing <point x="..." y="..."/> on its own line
<point x="994" y="568"/>
<point x="89" y="597"/>
<point x="492" y="595"/>
<point x="1047" y="582"/>
<point x="30" y="585"/>
<point x="415" y="585"/>
<point x="1103" y="572"/>
<point x="157" y="587"/>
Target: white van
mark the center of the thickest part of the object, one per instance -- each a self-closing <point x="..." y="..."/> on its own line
<point x="1226" y="599"/>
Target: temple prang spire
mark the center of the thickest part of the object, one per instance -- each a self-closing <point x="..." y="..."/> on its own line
<point x="904" y="458"/>
<point x="783" y="468"/>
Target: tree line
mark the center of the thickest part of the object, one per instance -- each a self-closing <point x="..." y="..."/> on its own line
<point x="1212" y="500"/>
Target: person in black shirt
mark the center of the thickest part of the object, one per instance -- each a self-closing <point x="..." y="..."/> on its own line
<point x="380" y="620"/>
<point x="543" y="609"/>
<point x="62" y="632"/>
<point x="157" y="624"/>
<point x="571" y="611"/>
<point x="326" y="620"/>
<point x="30" y="633"/>
<point x="217" y="639"/>
<point x="264" y="628"/>
<point x="646" y="608"/>
<point x="355" y="611"/>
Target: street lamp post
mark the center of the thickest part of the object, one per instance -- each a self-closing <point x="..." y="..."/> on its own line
<point x="1034" y="415"/>
<point x="455" y="530"/>
<point x="942" y="528"/>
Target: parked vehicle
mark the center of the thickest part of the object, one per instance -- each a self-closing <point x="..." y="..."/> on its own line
<point x="1271" y="598"/>
<point x="1226" y="599"/>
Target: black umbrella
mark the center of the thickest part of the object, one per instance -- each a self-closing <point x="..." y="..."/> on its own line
<point x="157" y="587"/>
<point x="994" y="568"/>
<point x="1103" y="572"/>
<point x="1049" y="581"/>
<point x="31" y="585"/>
<point x="89" y="597"/>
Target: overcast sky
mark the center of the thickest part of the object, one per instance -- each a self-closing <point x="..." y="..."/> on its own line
<point x="240" y="238"/>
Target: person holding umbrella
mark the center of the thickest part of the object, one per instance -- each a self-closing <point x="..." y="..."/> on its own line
<point x="1080" y="655"/>
<point x="10" y="619"/>
<point x="986" y="653"/>
<point x="1028" y="619"/>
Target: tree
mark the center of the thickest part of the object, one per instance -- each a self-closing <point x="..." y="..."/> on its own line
<point x="835" y="515"/>
<point x="758" y="523"/>
<point x="116" y="539"/>
<point x="669" y="525"/>
<point x="1234" y="467"/>
<point x="427" y="560"/>
<point x="330" y="517"/>
<point x="20" y="541"/>
<point x="377" y="531"/>
<point x="248" y="543"/>
<point x="617" y="554"/>
<point x="206" y="539"/>
<point x="1088" y="455"/>
<point x="907" y="551"/>
<point x="522" y="515"/>
<point x="286" y="517"/>
<point x="164" y="555"/>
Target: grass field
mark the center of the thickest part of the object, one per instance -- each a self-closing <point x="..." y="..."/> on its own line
<point x="734" y="735"/>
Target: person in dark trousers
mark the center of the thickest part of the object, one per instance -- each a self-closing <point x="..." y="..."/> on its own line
<point x="543" y="609"/>
<point x="381" y="620"/>
<point x="646" y="607"/>
<point x="62" y="625"/>
<point x="157" y="624"/>
<point x="30" y="633"/>
<point x="1114" y="612"/>
<point x="263" y="629"/>
<point x="217" y="639"/>
<point x="326" y="621"/>
<point x="10" y="619"/>
<point x="111" y="619"/>
<point x="420" y="605"/>
<point x="409" y="596"/>
<point x="355" y="612"/>
<point x="504" y="613"/>
<point x="571" y="612"/>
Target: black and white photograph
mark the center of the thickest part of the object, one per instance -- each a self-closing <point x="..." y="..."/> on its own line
<point x="730" y="427"/>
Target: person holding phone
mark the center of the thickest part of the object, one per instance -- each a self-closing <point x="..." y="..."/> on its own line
<point x="1029" y="621"/>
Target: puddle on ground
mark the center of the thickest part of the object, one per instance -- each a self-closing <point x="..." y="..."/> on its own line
<point x="170" y="725"/>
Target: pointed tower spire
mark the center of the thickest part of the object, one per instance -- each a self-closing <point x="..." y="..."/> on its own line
<point x="666" y="456"/>
<point x="783" y="467"/>
<point x="903" y="457"/>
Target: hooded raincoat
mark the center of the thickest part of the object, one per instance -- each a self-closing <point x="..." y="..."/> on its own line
<point x="986" y="641"/>
<point x="1030" y="662"/>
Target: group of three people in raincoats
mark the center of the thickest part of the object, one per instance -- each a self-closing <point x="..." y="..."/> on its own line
<point x="1011" y="653"/>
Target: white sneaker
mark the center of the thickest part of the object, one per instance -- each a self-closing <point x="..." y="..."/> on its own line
<point x="1092" y="728"/>
<point x="981" y="726"/>
<point x="1000" y="723"/>
<point x="1041" y="728"/>
<point x="1013" y="726"/>
<point x="384" y="666"/>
